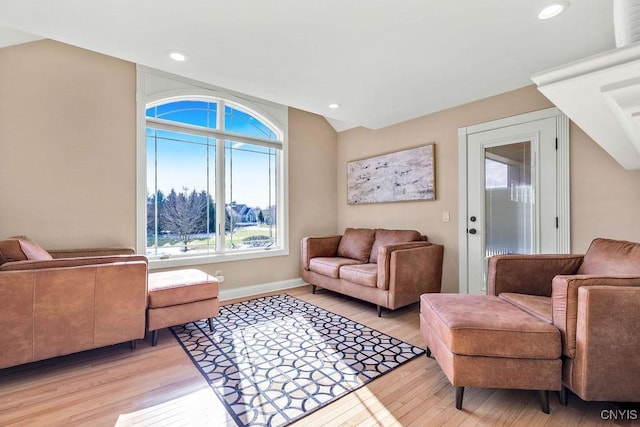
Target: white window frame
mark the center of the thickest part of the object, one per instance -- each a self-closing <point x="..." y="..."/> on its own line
<point x="156" y="87"/>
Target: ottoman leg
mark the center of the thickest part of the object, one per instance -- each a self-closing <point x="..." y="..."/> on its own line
<point x="459" y="396"/>
<point x="210" y="324"/>
<point x="428" y="352"/>
<point x="544" y="400"/>
<point x="313" y="289"/>
<point x="154" y="338"/>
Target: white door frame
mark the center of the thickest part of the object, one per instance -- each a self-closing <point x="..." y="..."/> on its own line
<point x="563" y="243"/>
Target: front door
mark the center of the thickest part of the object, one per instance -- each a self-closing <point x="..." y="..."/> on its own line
<point x="511" y="196"/>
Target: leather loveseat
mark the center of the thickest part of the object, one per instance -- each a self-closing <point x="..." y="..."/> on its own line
<point x="389" y="268"/>
<point x="61" y="302"/>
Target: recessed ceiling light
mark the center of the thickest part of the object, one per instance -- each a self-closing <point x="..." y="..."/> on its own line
<point x="553" y="9"/>
<point x="176" y="56"/>
<point x="334" y="106"/>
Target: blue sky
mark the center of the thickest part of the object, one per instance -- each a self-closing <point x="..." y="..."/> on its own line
<point x="182" y="158"/>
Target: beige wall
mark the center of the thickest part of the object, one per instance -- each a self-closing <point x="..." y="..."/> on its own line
<point x="604" y="197"/>
<point x="67" y="162"/>
<point x="67" y="138"/>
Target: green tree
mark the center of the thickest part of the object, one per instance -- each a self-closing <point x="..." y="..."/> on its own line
<point x="151" y="212"/>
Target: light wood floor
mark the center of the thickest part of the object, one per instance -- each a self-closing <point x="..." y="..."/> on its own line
<point x="160" y="386"/>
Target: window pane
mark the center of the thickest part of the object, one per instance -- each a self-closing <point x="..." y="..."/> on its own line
<point x="199" y="113"/>
<point x="181" y="172"/>
<point x="151" y="193"/>
<point x="240" y="122"/>
<point x="508" y="202"/>
<point x="181" y="202"/>
<point x="496" y="173"/>
<point x="250" y="218"/>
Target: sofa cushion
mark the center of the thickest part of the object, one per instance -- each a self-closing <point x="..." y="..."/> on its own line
<point x="389" y="237"/>
<point x="330" y="266"/>
<point x="356" y="243"/>
<point x="362" y="274"/>
<point x="535" y="305"/>
<point x="22" y="249"/>
<point x="606" y="256"/>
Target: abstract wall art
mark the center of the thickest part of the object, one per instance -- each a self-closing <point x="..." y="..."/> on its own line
<point x="394" y="177"/>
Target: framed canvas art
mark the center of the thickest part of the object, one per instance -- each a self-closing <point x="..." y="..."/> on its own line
<point x="394" y="177"/>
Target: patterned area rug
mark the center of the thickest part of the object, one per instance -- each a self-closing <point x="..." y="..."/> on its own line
<point x="275" y="359"/>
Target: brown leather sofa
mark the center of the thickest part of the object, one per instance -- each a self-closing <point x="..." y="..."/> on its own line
<point x="389" y="268"/>
<point x="594" y="300"/>
<point x="61" y="302"/>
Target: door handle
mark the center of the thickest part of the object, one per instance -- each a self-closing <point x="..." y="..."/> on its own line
<point x="472" y="231"/>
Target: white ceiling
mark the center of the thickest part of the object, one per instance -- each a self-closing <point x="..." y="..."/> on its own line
<point x="383" y="61"/>
<point x="10" y="37"/>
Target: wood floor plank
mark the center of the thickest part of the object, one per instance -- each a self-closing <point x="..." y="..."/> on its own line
<point x="160" y="386"/>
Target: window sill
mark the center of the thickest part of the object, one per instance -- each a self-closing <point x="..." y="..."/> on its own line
<point x="157" y="263"/>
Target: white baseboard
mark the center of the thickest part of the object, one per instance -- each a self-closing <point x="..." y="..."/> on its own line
<point x="251" y="290"/>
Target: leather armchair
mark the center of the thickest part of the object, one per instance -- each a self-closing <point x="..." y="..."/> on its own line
<point x="62" y="302"/>
<point x="594" y="300"/>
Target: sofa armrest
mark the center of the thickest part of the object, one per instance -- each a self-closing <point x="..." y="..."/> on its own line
<point x="565" y="303"/>
<point x="90" y="252"/>
<point x="312" y="247"/>
<point x="528" y="274"/>
<point x="384" y="251"/>
<point x="69" y="262"/>
<point x="408" y="270"/>
<point x="384" y="259"/>
<point x="607" y="337"/>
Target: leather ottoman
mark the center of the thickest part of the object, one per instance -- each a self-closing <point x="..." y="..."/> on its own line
<point x="180" y="296"/>
<point x="484" y="341"/>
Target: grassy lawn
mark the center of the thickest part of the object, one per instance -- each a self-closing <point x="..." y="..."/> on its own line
<point x="241" y="235"/>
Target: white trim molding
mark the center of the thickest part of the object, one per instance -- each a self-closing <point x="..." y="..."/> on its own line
<point x="563" y="199"/>
<point x="601" y="94"/>
<point x="255" y="290"/>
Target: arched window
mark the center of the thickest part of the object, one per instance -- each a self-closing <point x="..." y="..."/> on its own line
<point x="213" y="180"/>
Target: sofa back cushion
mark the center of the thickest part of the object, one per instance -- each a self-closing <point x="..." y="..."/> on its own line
<point x="22" y="249"/>
<point x="11" y="250"/>
<point x="389" y="237"/>
<point x="356" y="243"/>
<point x="606" y="256"/>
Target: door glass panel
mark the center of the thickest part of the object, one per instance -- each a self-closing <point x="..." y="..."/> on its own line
<point x="508" y="199"/>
